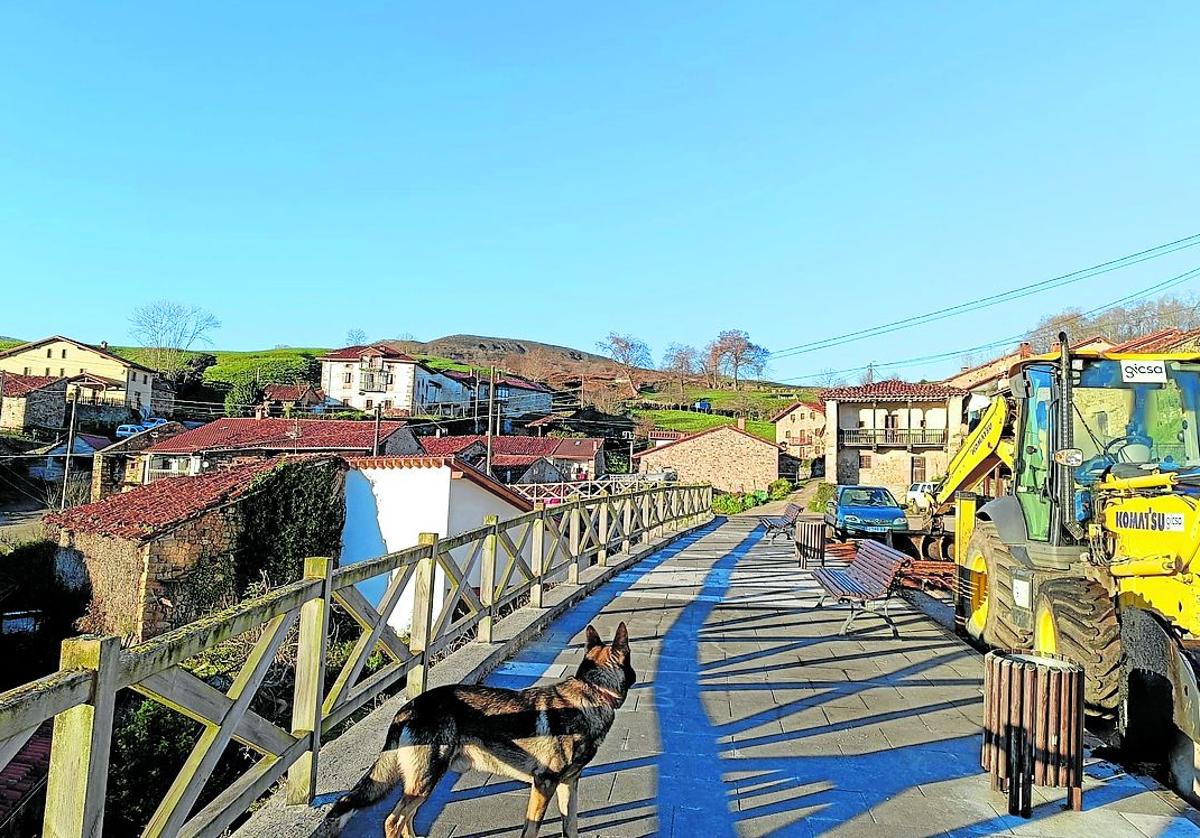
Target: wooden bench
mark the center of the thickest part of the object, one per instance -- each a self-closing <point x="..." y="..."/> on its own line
<point x="869" y="582"/>
<point x="784" y="524"/>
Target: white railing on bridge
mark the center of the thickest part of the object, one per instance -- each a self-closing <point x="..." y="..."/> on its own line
<point x="516" y="560"/>
<point x="555" y="493"/>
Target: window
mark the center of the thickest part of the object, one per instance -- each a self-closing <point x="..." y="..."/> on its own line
<point x="864" y="459"/>
<point x="370" y="403"/>
<point x="27" y="370"/>
<point x="64" y="353"/>
<point x="146" y="378"/>
<point x="62" y="373"/>
<point x="47" y="372"/>
<point x="347" y="377"/>
<point x="49" y="353"/>
<point x="386" y="404"/>
<point x="918" y="470"/>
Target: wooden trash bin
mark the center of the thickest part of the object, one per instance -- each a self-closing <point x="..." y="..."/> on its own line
<point x="810" y="543"/>
<point x="1033" y="726"/>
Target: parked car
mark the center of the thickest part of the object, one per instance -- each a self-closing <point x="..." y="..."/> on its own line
<point x="153" y="422"/>
<point x="920" y="495"/>
<point x="126" y="431"/>
<point x="863" y="510"/>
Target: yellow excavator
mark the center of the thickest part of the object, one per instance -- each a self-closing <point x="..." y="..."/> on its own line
<point x="1091" y="549"/>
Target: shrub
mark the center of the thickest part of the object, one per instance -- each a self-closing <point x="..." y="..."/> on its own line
<point x="779" y="489"/>
<point x="732" y="503"/>
<point x="823" y="496"/>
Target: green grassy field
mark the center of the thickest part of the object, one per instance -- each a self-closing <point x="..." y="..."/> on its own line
<point x="760" y="400"/>
<point x="688" y="422"/>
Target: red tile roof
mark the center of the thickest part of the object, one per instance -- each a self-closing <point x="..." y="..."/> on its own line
<point x="519" y="383"/>
<point x="891" y="390"/>
<point x="460" y="470"/>
<point x="699" y="434"/>
<point x="353" y="353"/>
<point x="291" y="392"/>
<point x="157" y="507"/>
<point x="235" y="434"/>
<point x="817" y="406"/>
<point x="514" y="460"/>
<point x="1164" y="340"/>
<point x="659" y="433"/>
<point x="18" y="386"/>
<point x="537" y="446"/>
<point x="25" y="771"/>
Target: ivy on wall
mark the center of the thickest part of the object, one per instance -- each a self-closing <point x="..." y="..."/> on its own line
<point x="299" y="513"/>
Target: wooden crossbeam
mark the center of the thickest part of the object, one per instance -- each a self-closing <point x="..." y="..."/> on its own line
<point x="173" y="811"/>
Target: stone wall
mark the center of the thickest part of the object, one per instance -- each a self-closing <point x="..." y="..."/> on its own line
<point x="44" y="408"/>
<point x="185" y="568"/>
<point x="113" y="569"/>
<point x="728" y="459"/>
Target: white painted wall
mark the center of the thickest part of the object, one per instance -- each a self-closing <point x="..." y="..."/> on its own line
<point x="388" y="508"/>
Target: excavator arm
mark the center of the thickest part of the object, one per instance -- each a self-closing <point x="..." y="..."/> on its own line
<point x="987" y="446"/>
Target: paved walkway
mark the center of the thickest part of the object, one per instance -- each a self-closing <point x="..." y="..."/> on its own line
<point x="753" y="717"/>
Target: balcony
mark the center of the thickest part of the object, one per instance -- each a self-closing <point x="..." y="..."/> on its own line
<point x="894" y="437"/>
<point x="372" y="380"/>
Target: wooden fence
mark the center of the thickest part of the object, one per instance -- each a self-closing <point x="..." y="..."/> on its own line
<point x="516" y="559"/>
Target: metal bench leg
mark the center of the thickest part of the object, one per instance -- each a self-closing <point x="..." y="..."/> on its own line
<point x="854" y="612"/>
<point x="821" y="601"/>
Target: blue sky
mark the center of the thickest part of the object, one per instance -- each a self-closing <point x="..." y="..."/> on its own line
<point x="556" y="171"/>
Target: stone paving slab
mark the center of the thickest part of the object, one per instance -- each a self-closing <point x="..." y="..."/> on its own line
<point x="753" y="717"/>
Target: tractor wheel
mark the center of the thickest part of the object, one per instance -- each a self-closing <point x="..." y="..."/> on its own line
<point x="1075" y="618"/>
<point x="989" y="614"/>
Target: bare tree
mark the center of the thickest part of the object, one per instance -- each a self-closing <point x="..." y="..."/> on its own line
<point x="712" y="362"/>
<point x="682" y="362"/>
<point x="169" y="330"/>
<point x="536" y="364"/>
<point x="827" y="378"/>
<point x="740" y="355"/>
<point x="355" y="337"/>
<point x="627" y="352"/>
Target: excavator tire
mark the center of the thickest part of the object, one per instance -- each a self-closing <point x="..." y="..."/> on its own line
<point x="996" y="627"/>
<point x="1076" y="618"/>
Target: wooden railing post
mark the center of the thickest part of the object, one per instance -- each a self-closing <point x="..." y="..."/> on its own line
<point x="602" y="531"/>
<point x="310" y="681"/>
<point x="627" y="525"/>
<point x="537" y="555"/>
<point x="78" y="778"/>
<point x="573" y="542"/>
<point x="422" y="618"/>
<point x="487" y="580"/>
<point x="661" y="501"/>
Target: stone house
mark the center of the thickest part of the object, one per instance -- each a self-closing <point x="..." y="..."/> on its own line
<point x="131" y="550"/>
<point x="727" y="457"/>
<point x="284" y="399"/>
<point x="892" y="433"/>
<point x="232" y="440"/>
<point x="32" y="403"/>
<point x="99" y="376"/>
<point x="120" y="467"/>
<point x="800" y="429"/>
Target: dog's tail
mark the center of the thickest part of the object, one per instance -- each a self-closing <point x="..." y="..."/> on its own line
<point x="384" y="775"/>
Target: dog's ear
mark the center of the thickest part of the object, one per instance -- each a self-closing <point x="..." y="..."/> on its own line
<point x="593" y="638"/>
<point x="621" y="638"/>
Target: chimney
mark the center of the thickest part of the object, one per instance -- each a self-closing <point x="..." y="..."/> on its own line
<point x="1025" y="349"/>
<point x="104" y="345"/>
<point x="741" y="423"/>
<point x="260" y="411"/>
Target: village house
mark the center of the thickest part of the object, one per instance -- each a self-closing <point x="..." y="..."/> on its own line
<point x="800" y="429"/>
<point x="379" y="376"/>
<point x="83" y="447"/>
<point x="390" y="501"/>
<point x="892" y="433"/>
<point x="161" y="555"/>
<point x="284" y="399"/>
<point x="121" y="467"/>
<point x="97" y="375"/>
<point x="231" y="440"/>
<point x="659" y="437"/>
<point x="573" y="458"/>
<point x="32" y="404"/>
<point x="725" y="456"/>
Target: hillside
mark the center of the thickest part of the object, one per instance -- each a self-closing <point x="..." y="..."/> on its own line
<point x="481" y="349"/>
<point x="691" y="422"/>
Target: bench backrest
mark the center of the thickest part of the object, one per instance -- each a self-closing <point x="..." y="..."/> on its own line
<point x="876" y="566"/>
<point x="791" y="512"/>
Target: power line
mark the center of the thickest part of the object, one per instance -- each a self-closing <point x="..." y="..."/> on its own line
<point x="929" y="359"/>
<point x="993" y="299"/>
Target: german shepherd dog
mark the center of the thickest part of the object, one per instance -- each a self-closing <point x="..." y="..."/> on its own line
<point x="542" y="735"/>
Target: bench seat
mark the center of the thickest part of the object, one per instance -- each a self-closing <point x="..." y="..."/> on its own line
<point x="870" y="581"/>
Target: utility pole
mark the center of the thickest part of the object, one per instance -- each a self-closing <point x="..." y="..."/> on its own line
<point x="632" y="438"/>
<point x="378" y="416"/>
<point x="475" y="401"/>
<point x="62" y="504"/>
<point x="491" y="414"/>
<point x="1" y="398"/>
